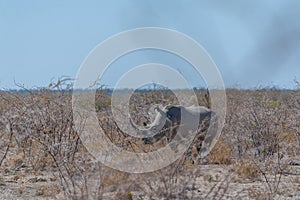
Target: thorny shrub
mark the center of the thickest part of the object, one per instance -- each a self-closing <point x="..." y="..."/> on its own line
<point x="261" y="135"/>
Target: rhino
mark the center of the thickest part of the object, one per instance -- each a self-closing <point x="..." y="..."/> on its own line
<point x="171" y="117"/>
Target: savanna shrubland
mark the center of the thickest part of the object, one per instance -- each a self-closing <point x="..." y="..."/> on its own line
<point x="260" y="141"/>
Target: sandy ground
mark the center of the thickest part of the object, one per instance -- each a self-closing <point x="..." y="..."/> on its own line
<point x="219" y="181"/>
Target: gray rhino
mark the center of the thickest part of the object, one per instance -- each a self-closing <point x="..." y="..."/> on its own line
<point x="173" y="117"/>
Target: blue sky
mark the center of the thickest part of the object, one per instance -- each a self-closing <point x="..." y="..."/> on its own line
<point x="253" y="44"/>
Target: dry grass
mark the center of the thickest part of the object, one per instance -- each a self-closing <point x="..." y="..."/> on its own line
<point x="247" y="169"/>
<point x="221" y="154"/>
<point x="260" y="140"/>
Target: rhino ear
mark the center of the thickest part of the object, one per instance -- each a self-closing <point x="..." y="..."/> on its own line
<point x="158" y="109"/>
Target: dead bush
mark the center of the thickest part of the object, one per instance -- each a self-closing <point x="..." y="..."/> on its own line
<point x="221" y="153"/>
